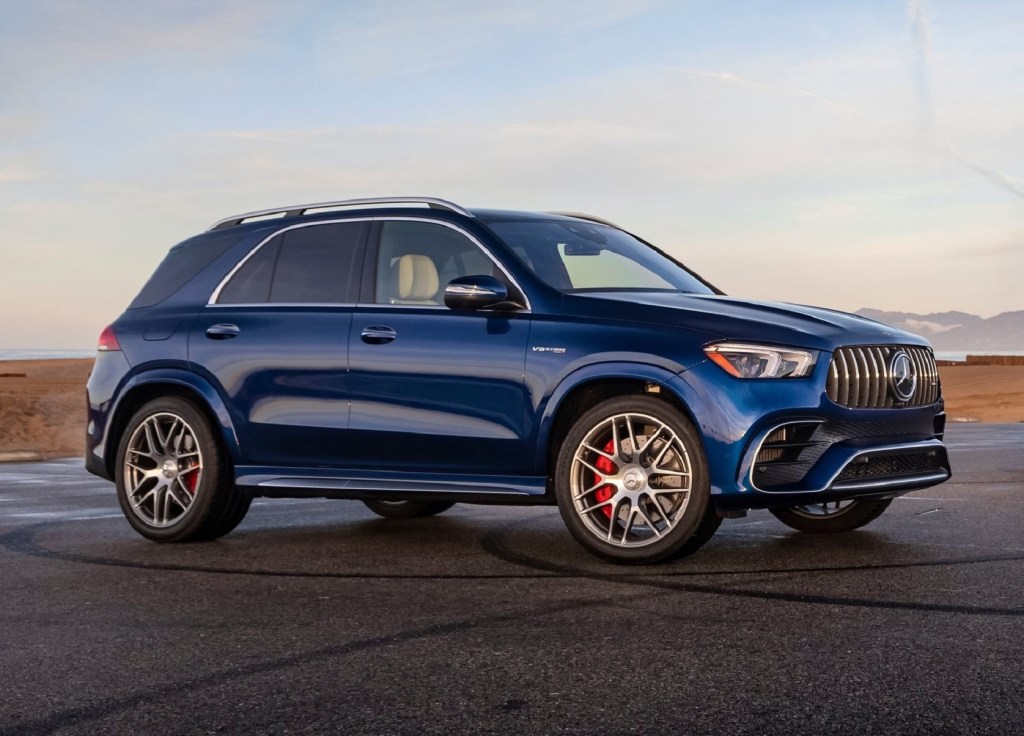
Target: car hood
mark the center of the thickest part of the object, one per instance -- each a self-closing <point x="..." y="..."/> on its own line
<point x="729" y="318"/>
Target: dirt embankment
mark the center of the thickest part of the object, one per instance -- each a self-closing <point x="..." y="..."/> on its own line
<point x="42" y="402"/>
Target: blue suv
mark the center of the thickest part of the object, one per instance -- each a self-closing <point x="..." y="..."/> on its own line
<point x="412" y="354"/>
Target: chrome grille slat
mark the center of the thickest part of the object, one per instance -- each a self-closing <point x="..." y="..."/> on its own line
<point x="874" y="392"/>
<point x="859" y="377"/>
<point x="843" y="394"/>
<point x="855" y="379"/>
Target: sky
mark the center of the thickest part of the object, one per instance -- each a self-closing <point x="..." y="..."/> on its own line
<point x="843" y="154"/>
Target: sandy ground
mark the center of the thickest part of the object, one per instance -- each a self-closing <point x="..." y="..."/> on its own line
<point x="42" y="402"/>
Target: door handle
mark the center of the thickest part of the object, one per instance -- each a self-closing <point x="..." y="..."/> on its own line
<point x="223" y="331"/>
<point x="378" y="335"/>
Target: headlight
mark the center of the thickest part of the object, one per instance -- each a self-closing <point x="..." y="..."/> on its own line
<point x="761" y="361"/>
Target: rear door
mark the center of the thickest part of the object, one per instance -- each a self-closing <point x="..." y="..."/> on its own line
<point x="435" y="390"/>
<point x="274" y="342"/>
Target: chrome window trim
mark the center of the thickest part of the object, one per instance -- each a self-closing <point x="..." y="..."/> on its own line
<point x="283" y="304"/>
<point x="212" y="301"/>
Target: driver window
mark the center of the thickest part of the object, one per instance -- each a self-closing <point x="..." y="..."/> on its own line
<point x="416" y="260"/>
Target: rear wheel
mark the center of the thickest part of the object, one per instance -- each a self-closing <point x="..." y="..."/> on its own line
<point x="833" y="516"/>
<point x="407" y="509"/>
<point x="174" y="482"/>
<point x="631" y="482"/>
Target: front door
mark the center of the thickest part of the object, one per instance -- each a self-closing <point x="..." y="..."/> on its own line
<point x="434" y="389"/>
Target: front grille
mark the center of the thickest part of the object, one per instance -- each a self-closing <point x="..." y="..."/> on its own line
<point x="860" y="377"/>
<point x="891" y="465"/>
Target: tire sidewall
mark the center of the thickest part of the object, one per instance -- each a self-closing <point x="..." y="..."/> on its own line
<point x="700" y="496"/>
<point x="209" y="485"/>
<point x="860" y="513"/>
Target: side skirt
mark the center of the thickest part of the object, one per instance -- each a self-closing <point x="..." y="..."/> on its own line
<point x="327" y="483"/>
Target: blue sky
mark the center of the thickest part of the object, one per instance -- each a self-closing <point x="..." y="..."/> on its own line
<point x="841" y="154"/>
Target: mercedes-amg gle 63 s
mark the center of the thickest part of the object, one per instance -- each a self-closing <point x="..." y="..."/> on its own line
<point x="414" y="354"/>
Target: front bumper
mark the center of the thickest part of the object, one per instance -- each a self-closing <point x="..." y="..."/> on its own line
<point x="777" y="443"/>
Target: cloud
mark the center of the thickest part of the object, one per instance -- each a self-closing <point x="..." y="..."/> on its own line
<point x="45" y="40"/>
<point x="17" y="173"/>
<point x="731" y="78"/>
<point x="390" y="39"/>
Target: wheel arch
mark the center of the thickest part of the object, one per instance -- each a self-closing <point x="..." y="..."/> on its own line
<point x="595" y="383"/>
<point x="160" y="383"/>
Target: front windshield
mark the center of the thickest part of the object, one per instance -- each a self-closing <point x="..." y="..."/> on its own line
<point x="577" y="256"/>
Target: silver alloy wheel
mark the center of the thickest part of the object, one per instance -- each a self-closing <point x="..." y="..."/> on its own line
<point x="825" y="510"/>
<point x="630" y="480"/>
<point x="163" y="467"/>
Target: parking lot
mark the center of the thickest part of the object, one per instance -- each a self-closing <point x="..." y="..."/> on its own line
<point x="316" y="616"/>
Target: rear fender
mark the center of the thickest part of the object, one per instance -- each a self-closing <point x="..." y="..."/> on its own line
<point x="186" y="382"/>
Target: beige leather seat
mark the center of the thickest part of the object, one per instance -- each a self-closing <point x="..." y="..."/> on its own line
<point x="415" y="280"/>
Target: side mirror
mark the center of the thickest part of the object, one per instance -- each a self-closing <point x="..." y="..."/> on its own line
<point x="475" y="292"/>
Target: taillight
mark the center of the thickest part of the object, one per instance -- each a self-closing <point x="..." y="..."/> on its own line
<point x="108" y="340"/>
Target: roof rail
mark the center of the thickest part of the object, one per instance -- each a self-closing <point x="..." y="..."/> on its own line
<point x="590" y="218"/>
<point x="301" y="209"/>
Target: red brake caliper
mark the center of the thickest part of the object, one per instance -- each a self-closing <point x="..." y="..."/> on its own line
<point x="605" y="465"/>
<point x="191" y="480"/>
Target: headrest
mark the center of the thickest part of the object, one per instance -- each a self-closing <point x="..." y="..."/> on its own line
<point x="417" y="277"/>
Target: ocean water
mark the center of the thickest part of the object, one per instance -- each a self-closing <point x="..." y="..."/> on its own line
<point x="45" y="354"/>
<point x="961" y="355"/>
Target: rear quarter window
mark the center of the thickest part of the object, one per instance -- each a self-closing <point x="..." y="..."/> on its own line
<point x="179" y="266"/>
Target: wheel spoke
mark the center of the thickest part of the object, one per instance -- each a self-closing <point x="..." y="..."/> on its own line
<point x="632" y="437"/>
<point x="649" y="523"/>
<point x="160" y="437"/>
<point x="616" y="442"/>
<point x="150" y="442"/>
<point x="172" y="491"/>
<point x="668" y="445"/>
<point x="597" y="506"/>
<point x="630" y="515"/>
<point x="590" y="467"/>
<point x="650" y="439"/>
<point x="150" y="493"/>
<point x="664" y="514"/>
<point x="590" y="490"/>
<point x="614" y="520"/>
<point x="602" y="453"/>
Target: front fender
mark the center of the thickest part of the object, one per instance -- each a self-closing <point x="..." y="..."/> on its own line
<point x="592" y="373"/>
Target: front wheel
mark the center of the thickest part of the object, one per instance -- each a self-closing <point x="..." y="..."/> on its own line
<point x="832" y="517"/>
<point x="632" y="484"/>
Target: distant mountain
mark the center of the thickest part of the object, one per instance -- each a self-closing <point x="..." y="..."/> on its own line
<point x="958" y="330"/>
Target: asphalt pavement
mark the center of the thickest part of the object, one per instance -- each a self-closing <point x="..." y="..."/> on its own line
<point x="316" y="616"/>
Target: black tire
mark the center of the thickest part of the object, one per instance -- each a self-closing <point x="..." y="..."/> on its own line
<point x="856" y="514"/>
<point x="203" y="499"/>
<point x="637" y="479"/>
<point x="407" y="509"/>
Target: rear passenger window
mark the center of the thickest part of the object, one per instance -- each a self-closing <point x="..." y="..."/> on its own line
<point x="182" y="263"/>
<point x="306" y="265"/>
<point x="251" y="283"/>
